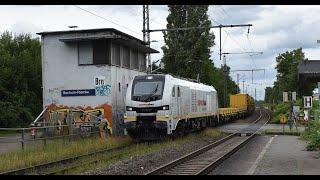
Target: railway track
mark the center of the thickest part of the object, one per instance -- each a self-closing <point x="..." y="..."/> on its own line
<point x="45" y="168"/>
<point x="232" y="141"/>
<point x="204" y="160"/>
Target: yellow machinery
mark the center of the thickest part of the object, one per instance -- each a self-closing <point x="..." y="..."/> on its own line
<point x="239" y="100"/>
<point x="242" y="100"/>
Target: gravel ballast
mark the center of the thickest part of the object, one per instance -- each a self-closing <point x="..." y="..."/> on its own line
<point x="139" y="165"/>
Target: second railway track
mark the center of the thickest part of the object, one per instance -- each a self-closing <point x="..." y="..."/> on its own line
<point x="201" y="161"/>
<point x="44" y="169"/>
<point x="204" y="160"/>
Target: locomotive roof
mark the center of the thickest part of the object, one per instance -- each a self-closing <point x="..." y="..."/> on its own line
<point x="193" y="85"/>
<point x="184" y="82"/>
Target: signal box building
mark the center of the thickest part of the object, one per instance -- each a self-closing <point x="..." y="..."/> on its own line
<point x="89" y="70"/>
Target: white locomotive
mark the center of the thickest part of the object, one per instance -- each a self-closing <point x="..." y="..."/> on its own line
<point x="161" y="105"/>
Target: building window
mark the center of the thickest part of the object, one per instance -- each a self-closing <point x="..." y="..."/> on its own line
<point x="142" y="61"/>
<point x="126" y="57"/>
<point x="101" y="52"/>
<point x="134" y="60"/>
<point x="94" y="52"/>
<point x="85" y="52"/>
<point x="116" y="54"/>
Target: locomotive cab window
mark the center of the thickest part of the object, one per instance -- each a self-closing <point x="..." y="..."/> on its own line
<point x="147" y="88"/>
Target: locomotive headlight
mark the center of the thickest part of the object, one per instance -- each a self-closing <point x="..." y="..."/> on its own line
<point x="129" y="108"/>
<point x="165" y="107"/>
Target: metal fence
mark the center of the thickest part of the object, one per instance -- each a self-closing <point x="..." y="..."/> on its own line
<point x="42" y="133"/>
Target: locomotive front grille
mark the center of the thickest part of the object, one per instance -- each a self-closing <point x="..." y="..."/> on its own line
<point x="147" y="110"/>
<point x="146" y="119"/>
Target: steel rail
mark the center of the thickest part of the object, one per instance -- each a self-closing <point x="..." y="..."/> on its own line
<point x="189" y="156"/>
<point x="211" y="165"/>
<point x="216" y="163"/>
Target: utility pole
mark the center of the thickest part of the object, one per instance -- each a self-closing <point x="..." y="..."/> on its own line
<point x="146" y="35"/>
<point x="243" y="86"/>
<point x="238" y="80"/>
<point x="219" y="26"/>
<point x="225" y="69"/>
<point x="255" y="93"/>
<point x="250" y="70"/>
<point x="190" y="28"/>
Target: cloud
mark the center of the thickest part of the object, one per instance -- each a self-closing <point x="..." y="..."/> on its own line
<point x="275" y="29"/>
<point x="23" y="27"/>
<point x="236" y="14"/>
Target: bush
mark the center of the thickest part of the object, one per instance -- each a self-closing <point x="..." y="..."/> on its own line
<point x="20" y="79"/>
<point x="282" y="108"/>
<point x="312" y="134"/>
<point x="279" y="109"/>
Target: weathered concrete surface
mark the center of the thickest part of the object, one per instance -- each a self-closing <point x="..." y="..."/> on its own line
<point x="287" y="155"/>
<point x="234" y="127"/>
<point x="271" y="155"/>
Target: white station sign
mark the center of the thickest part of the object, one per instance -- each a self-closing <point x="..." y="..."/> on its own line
<point x="307" y="101"/>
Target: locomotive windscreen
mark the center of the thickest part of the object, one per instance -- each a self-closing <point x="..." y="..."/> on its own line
<point x="147" y="88"/>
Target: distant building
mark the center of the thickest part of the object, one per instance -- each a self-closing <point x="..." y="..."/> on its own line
<point x="90" y="70"/>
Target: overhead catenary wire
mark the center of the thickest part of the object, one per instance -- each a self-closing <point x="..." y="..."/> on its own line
<point x="241" y="48"/>
<point x="107" y="19"/>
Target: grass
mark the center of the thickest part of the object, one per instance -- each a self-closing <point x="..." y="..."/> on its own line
<point x="3" y="132"/>
<point x="211" y="132"/>
<point x="55" y="151"/>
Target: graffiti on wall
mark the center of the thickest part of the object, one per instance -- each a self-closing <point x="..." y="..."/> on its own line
<point x="79" y="115"/>
<point x="102" y="89"/>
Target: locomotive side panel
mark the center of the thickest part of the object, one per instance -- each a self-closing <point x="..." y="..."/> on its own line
<point x="185" y="102"/>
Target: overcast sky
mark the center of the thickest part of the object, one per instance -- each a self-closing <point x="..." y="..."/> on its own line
<point x="275" y="29"/>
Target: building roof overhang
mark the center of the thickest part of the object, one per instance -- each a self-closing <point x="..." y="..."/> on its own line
<point x="309" y="70"/>
<point x="117" y="36"/>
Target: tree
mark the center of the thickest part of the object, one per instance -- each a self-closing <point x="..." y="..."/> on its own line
<point x="187" y="52"/>
<point x="267" y="95"/>
<point x="20" y="79"/>
<point x="287" y="74"/>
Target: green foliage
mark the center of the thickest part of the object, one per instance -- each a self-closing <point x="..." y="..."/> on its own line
<point x="283" y="108"/>
<point x="187" y="52"/>
<point x="315" y="107"/>
<point x="267" y="96"/>
<point x="287" y="77"/>
<point x="312" y="134"/>
<point x="279" y="109"/>
<point x="20" y="79"/>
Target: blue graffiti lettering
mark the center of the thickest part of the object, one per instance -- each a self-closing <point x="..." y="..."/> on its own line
<point x="103" y="90"/>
